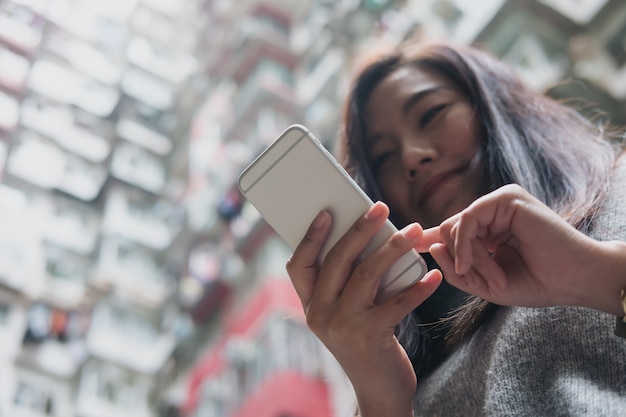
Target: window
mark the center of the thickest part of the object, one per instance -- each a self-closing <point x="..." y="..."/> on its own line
<point x="135" y="325"/>
<point x="449" y="12"/>
<point x="112" y="384"/>
<point x="34" y="398"/>
<point x="14" y="69"/>
<point x="5" y="312"/>
<point x="273" y="23"/>
<point x="617" y="47"/>
<point x="65" y="266"/>
<point x="580" y="11"/>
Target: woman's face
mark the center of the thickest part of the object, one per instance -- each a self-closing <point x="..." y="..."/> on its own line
<point x="422" y="133"/>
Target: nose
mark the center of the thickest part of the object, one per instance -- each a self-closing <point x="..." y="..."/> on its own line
<point x="415" y="158"/>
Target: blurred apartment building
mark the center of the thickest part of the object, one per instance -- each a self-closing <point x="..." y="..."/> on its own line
<point x="94" y="100"/>
<point x="134" y="279"/>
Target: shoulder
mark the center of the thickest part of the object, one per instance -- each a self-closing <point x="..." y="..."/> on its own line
<point x="561" y="340"/>
<point x="609" y="223"/>
<point x="563" y="354"/>
<point x="532" y="361"/>
<point x="619" y="168"/>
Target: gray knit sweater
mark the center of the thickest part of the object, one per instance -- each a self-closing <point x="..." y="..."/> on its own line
<point x="561" y="361"/>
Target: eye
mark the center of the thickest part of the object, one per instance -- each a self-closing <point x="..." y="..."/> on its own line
<point x="430" y="114"/>
<point x="379" y="161"/>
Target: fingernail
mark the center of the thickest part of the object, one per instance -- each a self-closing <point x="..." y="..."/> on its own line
<point x="320" y="220"/>
<point x="376" y="211"/>
<point x="412" y="231"/>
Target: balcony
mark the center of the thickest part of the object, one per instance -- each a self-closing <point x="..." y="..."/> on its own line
<point x="71" y="225"/>
<point x="138" y="133"/>
<point x="33" y="394"/>
<point x="83" y="56"/>
<point x="455" y="20"/>
<point x="82" y="179"/>
<point x="61" y="124"/>
<point x="171" y="67"/>
<point x="312" y="84"/>
<point x="129" y="336"/>
<point x="579" y="11"/>
<point x="138" y="167"/>
<point x="140" y="217"/>
<point x="12" y="324"/>
<point x="147" y="88"/>
<point x="54" y="340"/>
<point x="261" y="32"/>
<point x="264" y="346"/>
<point x="66" y="278"/>
<point x="270" y="86"/>
<point x="233" y="10"/>
<point x="9" y="112"/>
<point x="108" y="390"/>
<point x="21" y="28"/>
<point x="41" y="163"/>
<point x="535" y="62"/>
<point x="67" y="86"/>
<point x="14" y="71"/>
<point x="22" y="261"/>
<point x="132" y="270"/>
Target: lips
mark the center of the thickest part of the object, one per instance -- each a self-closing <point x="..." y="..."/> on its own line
<point x="433" y="184"/>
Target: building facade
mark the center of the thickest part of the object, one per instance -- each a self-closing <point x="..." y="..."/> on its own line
<point x="94" y="101"/>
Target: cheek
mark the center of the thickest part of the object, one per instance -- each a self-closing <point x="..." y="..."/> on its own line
<point x="463" y="127"/>
<point x="391" y="191"/>
<point x="397" y="197"/>
<point x="394" y="193"/>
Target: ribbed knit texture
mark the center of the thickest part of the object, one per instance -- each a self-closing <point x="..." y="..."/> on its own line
<point x="560" y="361"/>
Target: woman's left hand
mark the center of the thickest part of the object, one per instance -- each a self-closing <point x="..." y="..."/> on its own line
<point x="509" y="248"/>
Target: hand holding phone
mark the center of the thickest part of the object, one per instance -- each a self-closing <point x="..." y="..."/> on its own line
<point x="295" y="178"/>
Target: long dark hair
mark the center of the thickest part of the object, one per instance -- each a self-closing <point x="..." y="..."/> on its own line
<point x="527" y="138"/>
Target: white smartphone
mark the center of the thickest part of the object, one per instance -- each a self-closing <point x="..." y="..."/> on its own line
<point x="295" y="178"/>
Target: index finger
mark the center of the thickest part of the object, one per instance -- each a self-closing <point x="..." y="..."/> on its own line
<point x="302" y="267"/>
<point x="429" y="238"/>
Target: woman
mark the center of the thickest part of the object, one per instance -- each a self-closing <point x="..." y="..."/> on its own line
<point x="437" y="133"/>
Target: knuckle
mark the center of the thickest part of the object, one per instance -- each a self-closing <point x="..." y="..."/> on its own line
<point x="290" y="266"/>
<point x="515" y="193"/>
<point x="513" y="188"/>
<point x="313" y="325"/>
<point x="446" y="234"/>
<point x="446" y="227"/>
<point x="465" y="216"/>
<point x="403" y="302"/>
<point x="365" y="270"/>
<point x="314" y="321"/>
<point x="360" y="225"/>
<point x="454" y="231"/>
<point x="310" y="237"/>
<point x="333" y="258"/>
<point x="398" y="242"/>
<point x="467" y="221"/>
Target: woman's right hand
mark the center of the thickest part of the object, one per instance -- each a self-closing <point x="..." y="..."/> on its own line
<point x="338" y="300"/>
